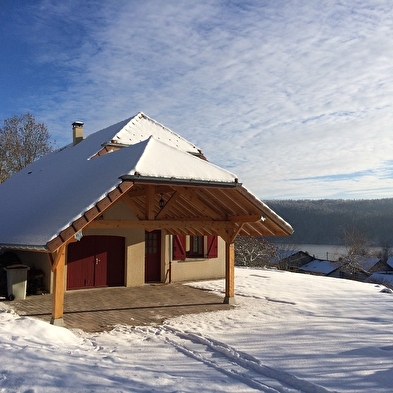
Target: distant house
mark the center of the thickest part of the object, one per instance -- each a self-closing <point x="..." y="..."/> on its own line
<point x="383" y="278"/>
<point x="363" y="267"/>
<point x="382" y="273"/>
<point x="291" y="260"/>
<point x="389" y="263"/>
<point x="322" y="268"/>
<point x="131" y="204"/>
<point x="372" y="264"/>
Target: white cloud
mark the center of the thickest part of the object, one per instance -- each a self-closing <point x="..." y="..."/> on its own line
<point x="275" y="91"/>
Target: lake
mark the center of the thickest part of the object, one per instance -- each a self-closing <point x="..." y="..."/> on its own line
<point x="324" y="251"/>
<point x="321" y="251"/>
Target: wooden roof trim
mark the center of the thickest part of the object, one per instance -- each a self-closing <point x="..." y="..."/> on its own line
<point x="282" y="225"/>
<point x="88" y="216"/>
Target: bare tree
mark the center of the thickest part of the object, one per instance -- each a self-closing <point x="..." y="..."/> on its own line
<point x="358" y="246"/>
<point x="22" y="141"/>
<point x="253" y="251"/>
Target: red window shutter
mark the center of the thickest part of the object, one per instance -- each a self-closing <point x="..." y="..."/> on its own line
<point x="212" y="246"/>
<point x="179" y="247"/>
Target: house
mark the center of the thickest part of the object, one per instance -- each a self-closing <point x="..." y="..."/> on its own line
<point x="131" y="204"/>
<point x="322" y="268"/>
<point x="389" y="263"/>
<point x="291" y="260"/>
<point x="359" y="270"/>
<point x="362" y="267"/>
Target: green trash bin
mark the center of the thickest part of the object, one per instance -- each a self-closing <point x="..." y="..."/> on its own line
<point x="16" y="281"/>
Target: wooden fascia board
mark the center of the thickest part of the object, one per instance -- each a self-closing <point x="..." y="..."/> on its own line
<point x="67" y="234"/>
<point x="282" y="225"/>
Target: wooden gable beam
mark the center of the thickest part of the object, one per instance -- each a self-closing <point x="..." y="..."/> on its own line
<point x="168" y="205"/>
<point x="127" y="199"/>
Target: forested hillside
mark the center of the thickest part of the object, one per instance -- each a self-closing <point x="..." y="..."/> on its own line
<point x="324" y="221"/>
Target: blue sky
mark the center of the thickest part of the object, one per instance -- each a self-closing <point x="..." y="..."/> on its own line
<point x="294" y="97"/>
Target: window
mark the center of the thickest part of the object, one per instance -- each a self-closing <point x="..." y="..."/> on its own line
<point x="185" y="246"/>
<point x="194" y="246"/>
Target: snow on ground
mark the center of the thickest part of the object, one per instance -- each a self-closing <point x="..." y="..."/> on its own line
<point x="288" y="333"/>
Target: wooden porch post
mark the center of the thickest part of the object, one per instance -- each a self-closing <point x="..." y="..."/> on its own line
<point x="229" y="235"/>
<point x="229" y="273"/>
<point x="58" y="288"/>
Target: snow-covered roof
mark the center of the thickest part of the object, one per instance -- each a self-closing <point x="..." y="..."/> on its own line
<point x="283" y="254"/>
<point x="45" y="197"/>
<point x="321" y="266"/>
<point x="383" y="278"/>
<point x="367" y="262"/>
<point x="134" y="130"/>
<point x="140" y="127"/>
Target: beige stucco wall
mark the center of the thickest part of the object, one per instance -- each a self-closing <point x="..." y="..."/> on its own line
<point x="193" y="268"/>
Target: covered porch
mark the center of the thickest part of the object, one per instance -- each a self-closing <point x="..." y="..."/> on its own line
<point x="97" y="310"/>
<point x="177" y="207"/>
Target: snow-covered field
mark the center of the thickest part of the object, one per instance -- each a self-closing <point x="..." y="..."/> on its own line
<point x="288" y="333"/>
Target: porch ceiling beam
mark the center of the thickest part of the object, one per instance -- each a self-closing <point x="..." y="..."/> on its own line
<point x="140" y="192"/>
<point x="149" y="201"/>
<point x="230" y="232"/>
<point x="165" y="224"/>
<point x="192" y="197"/>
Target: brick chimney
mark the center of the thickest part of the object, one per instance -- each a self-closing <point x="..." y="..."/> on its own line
<point x="77" y="132"/>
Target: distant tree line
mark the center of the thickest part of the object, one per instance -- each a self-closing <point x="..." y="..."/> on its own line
<point x="327" y="221"/>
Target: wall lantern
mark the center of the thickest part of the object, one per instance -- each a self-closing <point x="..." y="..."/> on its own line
<point x="161" y="202"/>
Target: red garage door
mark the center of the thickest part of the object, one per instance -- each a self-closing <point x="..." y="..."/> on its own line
<point x="96" y="261"/>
